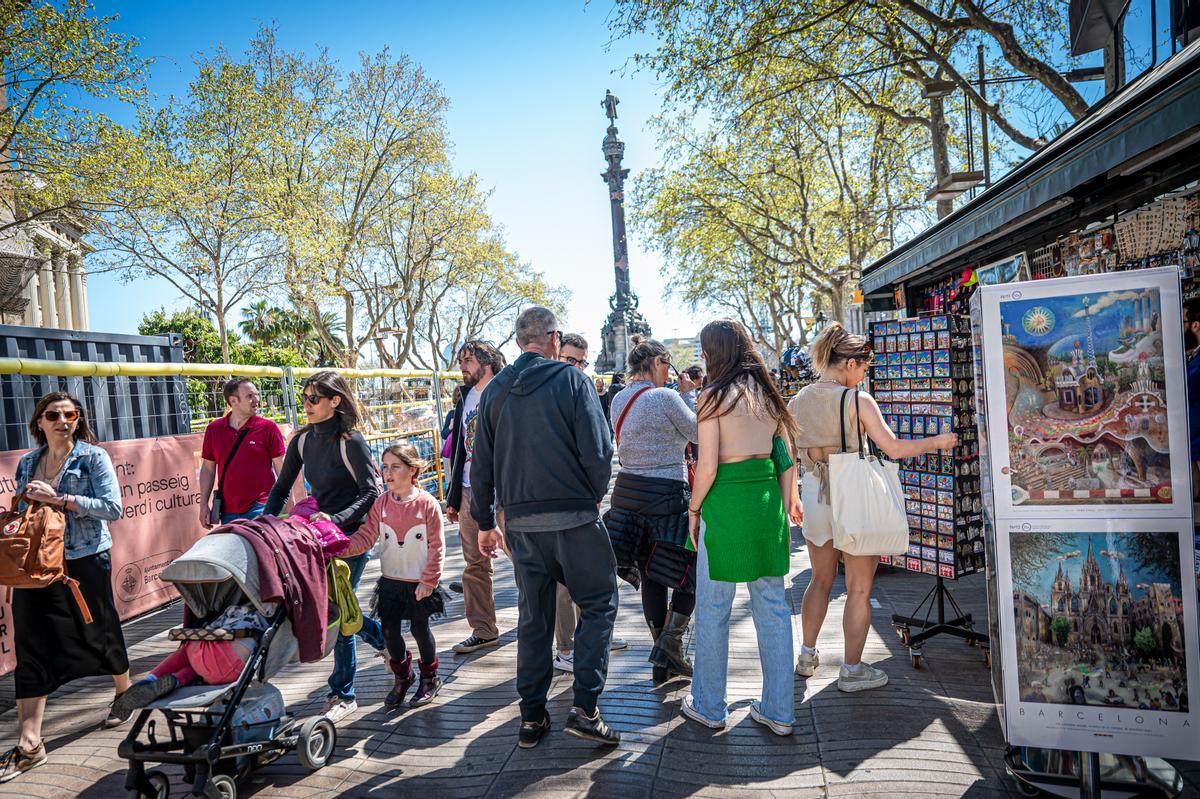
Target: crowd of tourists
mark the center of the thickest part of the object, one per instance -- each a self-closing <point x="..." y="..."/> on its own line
<point x="705" y="498"/>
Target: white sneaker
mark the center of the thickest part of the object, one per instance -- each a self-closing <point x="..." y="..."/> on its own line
<point x="689" y="709"/>
<point x="337" y="708"/>
<point x="774" y="726"/>
<point x="564" y="662"/>
<point x="863" y="678"/>
<point x="618" y="643"/>
<point x="806" y="664"/>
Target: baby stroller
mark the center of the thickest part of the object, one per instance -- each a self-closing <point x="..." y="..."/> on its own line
<point x="220" y="733"/>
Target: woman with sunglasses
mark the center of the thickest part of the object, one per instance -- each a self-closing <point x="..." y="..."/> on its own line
<point x="342" y="478"/>
<point x="647" y="522"/>
<point x="843" y="359"/>
<point x="53" y="644"/>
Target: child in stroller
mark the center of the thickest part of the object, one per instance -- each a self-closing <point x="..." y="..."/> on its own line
<point x="234" y="720"/>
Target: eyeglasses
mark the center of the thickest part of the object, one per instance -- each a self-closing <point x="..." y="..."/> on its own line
<point x="582" y="364"/>
<point x="313" y="399"/>
<point x="66" y="416"/>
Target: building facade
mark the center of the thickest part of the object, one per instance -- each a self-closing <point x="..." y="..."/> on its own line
<point x="44" y="282"/>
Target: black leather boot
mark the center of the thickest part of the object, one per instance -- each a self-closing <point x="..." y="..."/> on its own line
<point x="660" y="674"/>
<point x="668" y="650"/>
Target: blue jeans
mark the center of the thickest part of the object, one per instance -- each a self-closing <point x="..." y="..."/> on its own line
<point x="773" y="625"/>
<point x="254" y="512"/>
<point x="345" y="656"/>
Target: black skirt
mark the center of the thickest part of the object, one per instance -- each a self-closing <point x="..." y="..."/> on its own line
<point x="53" y="644"/>
<point x="396" y="600"/>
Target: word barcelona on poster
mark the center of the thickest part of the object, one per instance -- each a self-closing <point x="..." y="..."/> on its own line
<point x="1086" y="454"/>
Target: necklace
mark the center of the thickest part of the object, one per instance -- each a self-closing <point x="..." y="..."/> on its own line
<point x="44" y="465"/>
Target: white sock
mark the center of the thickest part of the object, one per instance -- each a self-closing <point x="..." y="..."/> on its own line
<point x="807" y="650"/>
<point x="853" y="668"/>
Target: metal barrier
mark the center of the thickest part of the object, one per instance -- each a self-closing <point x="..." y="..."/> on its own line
<point x="395" y="405"/>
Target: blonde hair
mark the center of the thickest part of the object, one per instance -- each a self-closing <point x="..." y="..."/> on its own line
<point x="837" y="345"/>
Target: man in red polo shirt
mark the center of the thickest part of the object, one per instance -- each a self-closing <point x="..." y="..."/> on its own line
<point x="252" y="470"/>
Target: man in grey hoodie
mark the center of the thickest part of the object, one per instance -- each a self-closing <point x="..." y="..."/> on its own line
<point x="543" y="451"/>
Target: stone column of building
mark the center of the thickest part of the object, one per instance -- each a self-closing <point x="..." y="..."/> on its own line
<point x="49" y="310"/>
<point x="62" y="291"/>
<point x="79" y="292"/>
<point x="33" y="311"/>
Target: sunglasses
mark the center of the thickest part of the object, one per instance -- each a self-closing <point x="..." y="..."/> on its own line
<point x="582" y="364"/>
<point x="313" y="399"/>
<point x="66" y="416"/>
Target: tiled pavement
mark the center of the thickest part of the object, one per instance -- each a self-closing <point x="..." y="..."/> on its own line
<point x="931" y="732"/>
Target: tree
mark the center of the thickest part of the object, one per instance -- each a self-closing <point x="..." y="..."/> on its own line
<point x="1143" y="641"/>
<point x="1060" y="628"/>
<point x="61" y="152"/>
<point x="261" y="321"/>
<point x="192" y="215"/>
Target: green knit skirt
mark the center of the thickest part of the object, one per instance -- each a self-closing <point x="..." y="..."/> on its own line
<point x="745" y="527"/>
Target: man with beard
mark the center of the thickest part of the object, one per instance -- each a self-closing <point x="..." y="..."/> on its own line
<point x="479" y="361"/>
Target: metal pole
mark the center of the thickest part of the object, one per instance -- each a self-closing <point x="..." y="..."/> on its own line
<point x="437" y="395"/>
<point x="983" y="124"/>
<point x="1089" y="775"/>
<point x="289" y="395"/>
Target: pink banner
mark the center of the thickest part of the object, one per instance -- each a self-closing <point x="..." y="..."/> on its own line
<point x="160" y="495"/>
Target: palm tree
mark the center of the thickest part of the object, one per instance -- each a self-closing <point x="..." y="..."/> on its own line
<point x="261" y="322"/>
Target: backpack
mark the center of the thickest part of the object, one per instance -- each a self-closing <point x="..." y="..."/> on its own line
<point x="33" y="550"/>
<point x="378" y="478"/>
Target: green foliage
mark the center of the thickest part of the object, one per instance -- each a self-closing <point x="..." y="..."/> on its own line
<point x="60" y="62"/>
<point x="1143" y="641"/>
<point x="1060" y="628"/>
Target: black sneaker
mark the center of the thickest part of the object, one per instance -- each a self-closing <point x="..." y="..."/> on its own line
<point x="532" y="732"/>
<point x="473" y="643"/>
<point x="456" y="587"/>
<point x="591" y="729"/>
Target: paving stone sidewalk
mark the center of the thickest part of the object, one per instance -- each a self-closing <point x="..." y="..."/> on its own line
<point x="930" y="732"/>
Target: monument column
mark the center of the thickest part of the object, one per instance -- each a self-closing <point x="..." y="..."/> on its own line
<point x="75" y="276"/>
<point x="625" y="320"/>
<point x="49" y="310"/>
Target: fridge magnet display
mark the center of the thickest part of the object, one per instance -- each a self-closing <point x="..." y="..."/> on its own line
<point x="1009" y="270"/>
<point x="1082" y="369"/>
<point x="1099" y="629"/>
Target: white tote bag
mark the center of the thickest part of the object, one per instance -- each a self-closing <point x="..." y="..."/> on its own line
<point x="866" y="499"/>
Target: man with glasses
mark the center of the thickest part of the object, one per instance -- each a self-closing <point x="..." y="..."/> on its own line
<point x="246" y="474"/>
<point x="479" y="361"/>
<point x="543" y="454"/>
<point x="574" y="351"/>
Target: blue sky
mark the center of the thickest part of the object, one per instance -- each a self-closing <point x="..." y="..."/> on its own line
<point x="1074" y="555"/>
<point x="525" y="82"/>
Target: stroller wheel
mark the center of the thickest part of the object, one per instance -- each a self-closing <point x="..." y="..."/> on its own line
<point x="221" y="786"/>
<point x="317" y="737"/>
<point x="159" y="786"/>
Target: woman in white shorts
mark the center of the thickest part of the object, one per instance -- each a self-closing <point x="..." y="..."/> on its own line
<point x="843" y="359"/>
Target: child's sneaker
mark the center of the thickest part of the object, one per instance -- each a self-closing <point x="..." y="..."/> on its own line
<point x="861" y="678"/>
<point x="139" y="695"/>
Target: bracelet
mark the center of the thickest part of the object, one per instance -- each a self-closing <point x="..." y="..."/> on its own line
<point x="63" y="499"/>
<point x="696" y="511"/>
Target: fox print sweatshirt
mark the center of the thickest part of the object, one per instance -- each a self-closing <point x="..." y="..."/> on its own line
<point x="410" y="534"/>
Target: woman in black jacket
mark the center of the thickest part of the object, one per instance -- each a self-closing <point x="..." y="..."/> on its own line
<point x="341" y="477"/>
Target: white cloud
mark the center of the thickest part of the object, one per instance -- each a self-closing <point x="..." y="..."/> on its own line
<point x="1105" y="301"/>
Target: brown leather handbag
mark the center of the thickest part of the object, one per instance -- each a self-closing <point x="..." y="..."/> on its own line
<point x="33" y="550"/>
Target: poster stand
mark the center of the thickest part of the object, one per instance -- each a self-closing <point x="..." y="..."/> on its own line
<point x="961" y="625"/>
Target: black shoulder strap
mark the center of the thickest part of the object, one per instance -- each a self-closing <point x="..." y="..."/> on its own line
<point x="228" y="458"/>
<point x="842" y="420"/>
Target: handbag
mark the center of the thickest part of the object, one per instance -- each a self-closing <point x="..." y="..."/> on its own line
<point x="866" y="499"/>
<point x="214" y="513"/>
<point x="33" y="550"/>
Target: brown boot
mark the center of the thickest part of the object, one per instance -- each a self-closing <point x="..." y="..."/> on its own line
<point x="668" y="650"/>
<point x="404" y="679"/>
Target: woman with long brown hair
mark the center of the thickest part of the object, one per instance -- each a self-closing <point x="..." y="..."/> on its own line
<point x="741" y="501"/>
<point x="842" y="358"/>
<point x="341" y="475"/>
<point x="53" y="644"/>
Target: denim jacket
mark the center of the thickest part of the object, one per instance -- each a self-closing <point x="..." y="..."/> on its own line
<point x="89" y="477"/>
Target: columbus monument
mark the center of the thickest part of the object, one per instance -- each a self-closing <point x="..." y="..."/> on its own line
<point x="625" y="320"/>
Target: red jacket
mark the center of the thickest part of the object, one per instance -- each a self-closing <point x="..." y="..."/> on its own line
<point x="291" y="570"/>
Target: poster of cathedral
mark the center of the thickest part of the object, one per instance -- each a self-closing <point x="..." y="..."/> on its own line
<point x="1099" y="635"/>
<point x="1079" y="372"/>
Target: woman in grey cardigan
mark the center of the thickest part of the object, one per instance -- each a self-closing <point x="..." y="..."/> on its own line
<point x="648" y="519"/>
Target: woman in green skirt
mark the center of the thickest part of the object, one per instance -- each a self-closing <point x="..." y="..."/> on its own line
<point x="742" y="502"/>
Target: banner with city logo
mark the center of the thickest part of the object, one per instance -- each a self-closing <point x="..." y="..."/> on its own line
<point x="1086" y="396"/>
